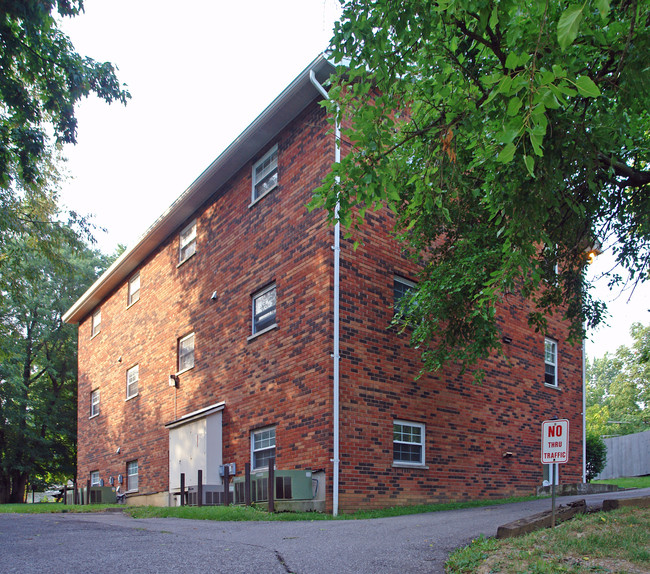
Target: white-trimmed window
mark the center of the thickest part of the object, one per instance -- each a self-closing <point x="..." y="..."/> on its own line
<point x="264" y="305"/>
<point x="96" y="323"/>
<point x="265" y="174"/>
<point x="186" y="352"/>
<point x="402" y="288"/>
<point x="94" y="478"/>
<point x="408" y="443"/>
<point x="134" y="289"/>
<point x="187" y="242"/>
<point x="550" y="362"/>
<point x="132" y="378"/>
<point x="262" y="447"/>
<point x="94" y="403"/>
<point x="132" y="475"/>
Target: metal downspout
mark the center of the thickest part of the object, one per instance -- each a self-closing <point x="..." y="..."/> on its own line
<point x="336" y="353"/>
<point x="584" y="413"/>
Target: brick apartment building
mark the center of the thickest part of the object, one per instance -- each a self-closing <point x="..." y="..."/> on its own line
<point x="215" y="340"/>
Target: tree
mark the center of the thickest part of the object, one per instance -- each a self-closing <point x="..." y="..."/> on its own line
<point x="42" y="80"/>
<point x="618" y="388"/>
<point x="38" y="360"/>
<point x="508" y="139"/>
<point x="596" y="456"/>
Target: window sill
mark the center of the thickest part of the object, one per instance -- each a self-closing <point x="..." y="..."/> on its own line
<point x="131" y="304"/>
<point x="185" y="260"/>
<point x="131" y="397"/>
<point x="93" y="417"/>
<point x="266" y="330"/>
<point x="184" y="370"/>
<point x="93" y="336"/>
<point x="556" y="387"/>
<point x="260" y="197"/>
<point x="410" y="465"/>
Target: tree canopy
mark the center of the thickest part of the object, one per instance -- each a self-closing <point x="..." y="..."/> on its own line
<point x="42" y="80"/>
<point x="509" y="139"/>
<point x="618" y="388"/>
<point x="38" y="356"/>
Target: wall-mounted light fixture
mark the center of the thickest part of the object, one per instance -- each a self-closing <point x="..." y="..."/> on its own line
<point x="214" y="296"/>
<point x="507" y="340"/>
<point x="173" y="381"/>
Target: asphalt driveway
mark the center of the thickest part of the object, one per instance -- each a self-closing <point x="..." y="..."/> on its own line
<point x="114" y="542"/>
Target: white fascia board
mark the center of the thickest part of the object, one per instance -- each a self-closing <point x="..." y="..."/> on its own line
<point x="201" y="413"/>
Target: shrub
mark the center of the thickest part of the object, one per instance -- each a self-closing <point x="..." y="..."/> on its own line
<point x="596" y="456"/>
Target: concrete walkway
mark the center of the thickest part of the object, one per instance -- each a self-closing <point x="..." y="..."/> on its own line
<point x="114" y="542"/>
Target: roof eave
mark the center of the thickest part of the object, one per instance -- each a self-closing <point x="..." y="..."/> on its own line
<point x="293" y="99"/>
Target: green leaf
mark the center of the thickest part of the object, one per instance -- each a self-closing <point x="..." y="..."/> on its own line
<point x="587" y="87"/>
<point x="603" y="8"/>
<point x="507" y="153"/>
<point x="512" y="61"/>
<point x="568" y="25"/>
<point x="529" y="160"/>
<point x="514" y="106"/>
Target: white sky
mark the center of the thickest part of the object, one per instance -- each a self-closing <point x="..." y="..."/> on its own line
<point x="199" y="72"/>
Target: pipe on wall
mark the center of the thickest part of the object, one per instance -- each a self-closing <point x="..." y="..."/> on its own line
<point x="337" y="274"/>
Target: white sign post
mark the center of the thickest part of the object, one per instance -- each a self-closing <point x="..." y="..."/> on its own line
<point x="555" y="450"/>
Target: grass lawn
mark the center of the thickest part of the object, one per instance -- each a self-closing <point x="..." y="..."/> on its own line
<point x="242" y="513"/>
<point x="631" y="482"/>
<point x="612" y="542"/>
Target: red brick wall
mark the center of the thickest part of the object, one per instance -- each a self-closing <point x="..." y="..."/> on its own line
<point x="284" y="377"/>
<point x="280" y="378"/>
<point x="468" y="426"/>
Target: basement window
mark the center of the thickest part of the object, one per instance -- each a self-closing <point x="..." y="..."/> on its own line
<point x="408" y="443"/>
<point x="262" y="447"/>
<point x="132" y="475"/>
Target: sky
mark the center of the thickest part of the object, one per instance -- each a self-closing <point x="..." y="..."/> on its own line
<point x="199" y="72"/>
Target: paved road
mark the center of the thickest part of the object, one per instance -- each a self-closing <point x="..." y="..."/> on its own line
<point x="114" y="542"/>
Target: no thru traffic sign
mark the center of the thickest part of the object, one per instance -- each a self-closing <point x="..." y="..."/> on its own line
<point x="555" y="441"/>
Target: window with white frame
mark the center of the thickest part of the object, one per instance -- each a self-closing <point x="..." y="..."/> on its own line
<point x="94" y="478"/>
<point x="96" y="323"/>
<point x="134" y="289"/>
<point x="262" y="447"/>
<point x="264" y="305"/>
<point x="187" y="242"/>
<point x="550" y="362"/>
<point x="132" y="475"/>
<point x="94" y="403"/>
<point x="132" y="378"/>
<point x="408" y="443"/>
<point x="265" y="174"/>
<point x="402" y="289"/>
<point x="186" y="352"/>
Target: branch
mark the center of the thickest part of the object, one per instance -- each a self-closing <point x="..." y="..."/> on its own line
<point x="635" y="177"/>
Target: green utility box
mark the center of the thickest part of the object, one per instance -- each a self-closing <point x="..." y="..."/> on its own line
<point x="289" y="485"/>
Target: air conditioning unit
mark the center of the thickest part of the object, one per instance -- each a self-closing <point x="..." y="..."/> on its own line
<point x="289" y="485"/>
<point x="101" y="495"/>
<point x="213" y="495"/>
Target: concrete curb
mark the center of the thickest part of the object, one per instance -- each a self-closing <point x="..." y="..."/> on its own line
<point x="563" y="513"/>
<point x="541" y="520"/>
